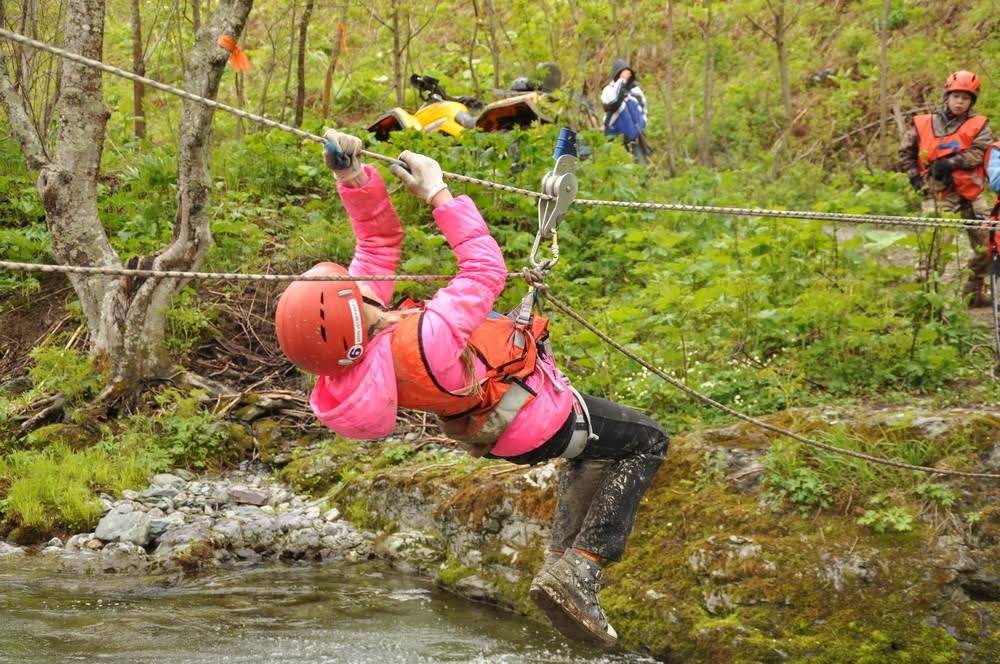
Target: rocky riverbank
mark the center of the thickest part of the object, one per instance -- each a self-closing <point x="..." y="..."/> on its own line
<point x="180" y="523"/>
<point x="720" y="567"/>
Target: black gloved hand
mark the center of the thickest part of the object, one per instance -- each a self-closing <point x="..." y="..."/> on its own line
<point x="941" y="169"/>
<point x="917" y="183"/>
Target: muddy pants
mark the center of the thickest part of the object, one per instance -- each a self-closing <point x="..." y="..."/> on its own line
<point x="600" y="488"/>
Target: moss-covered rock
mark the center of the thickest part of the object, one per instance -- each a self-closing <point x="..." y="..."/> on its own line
<point x="721" y="567"/>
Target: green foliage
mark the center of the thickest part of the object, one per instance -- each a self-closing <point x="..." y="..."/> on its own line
<point x="181" y="434"/>
<point x="55" y="371"/>
<point x="23" y="236"/>
<point x="63" y="370"/>
<point x="396" y="454"/>
<point x="57" y="487"/>
<point x="936" y="493"/>
<point x="889" y="520"/>
<point x="188" y="323"/>
<point x="138" y="204"/>
<point x="805" y="488"/>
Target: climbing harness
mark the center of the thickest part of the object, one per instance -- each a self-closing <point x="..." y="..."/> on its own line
<point x="559" y="189"/>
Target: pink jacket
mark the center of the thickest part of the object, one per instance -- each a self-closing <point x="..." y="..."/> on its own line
<point x="361" y="401"/>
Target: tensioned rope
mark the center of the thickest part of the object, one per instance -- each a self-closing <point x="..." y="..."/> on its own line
<point x="749" y="418"/>
<point x="530" y="276"/>
<point x="219" y="276"/>
<point x="891" y="220"/>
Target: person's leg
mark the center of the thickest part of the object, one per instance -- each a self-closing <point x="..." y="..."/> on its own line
<point x="578" y="481"/>
<point x="980" y="262"/>
<point x="633" y="446"/>
<point x="598" y="500"/>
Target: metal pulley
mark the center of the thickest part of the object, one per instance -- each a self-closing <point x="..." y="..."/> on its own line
<point x="559" y="188"/>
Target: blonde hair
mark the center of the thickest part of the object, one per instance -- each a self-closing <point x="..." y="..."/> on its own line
<point x="379" y="320"/>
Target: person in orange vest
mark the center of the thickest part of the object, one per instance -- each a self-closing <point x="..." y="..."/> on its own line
<point x="491" y="379"/>
<point x="942" y="153"/>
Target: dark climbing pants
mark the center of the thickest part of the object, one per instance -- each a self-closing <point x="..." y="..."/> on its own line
<point x="600" y="490"/>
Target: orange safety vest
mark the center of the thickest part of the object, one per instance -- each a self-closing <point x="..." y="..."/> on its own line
<point x="968" y="183"/>
<point x="479" y="413"/>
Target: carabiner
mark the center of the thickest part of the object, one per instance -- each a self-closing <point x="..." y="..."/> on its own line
<point x="559" y="187"/>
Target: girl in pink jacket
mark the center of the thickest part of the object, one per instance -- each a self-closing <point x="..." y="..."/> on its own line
<point x="442" y="356"/>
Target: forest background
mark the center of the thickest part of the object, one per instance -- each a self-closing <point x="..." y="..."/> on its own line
<point x="753" y="104"/>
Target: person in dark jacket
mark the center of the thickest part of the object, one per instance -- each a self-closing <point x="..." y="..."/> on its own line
<point x="625" y="112"/>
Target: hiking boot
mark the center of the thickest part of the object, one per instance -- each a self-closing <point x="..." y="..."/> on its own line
<point x="566" y="592"/>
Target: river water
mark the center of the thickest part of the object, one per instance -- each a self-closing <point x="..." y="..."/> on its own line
<point x="338" y="613"/>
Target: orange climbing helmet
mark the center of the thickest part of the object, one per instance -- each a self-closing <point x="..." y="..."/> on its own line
<point x="965" y="81"/>
<point x="319" y="324"/>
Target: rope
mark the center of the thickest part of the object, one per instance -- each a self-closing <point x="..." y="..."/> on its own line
<point x="533" y="277"/>
<point x="230" y="276"/>
<point x="96" y="64"/>
<point x="749" y="418"/>
<point x="797" y="214"/>
<point x="669" y="207"/>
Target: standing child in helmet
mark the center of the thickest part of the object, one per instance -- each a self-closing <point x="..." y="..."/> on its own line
<point x="444" y="356"/>
<point x="625" y="111"/>
<point x="942" y="154"/>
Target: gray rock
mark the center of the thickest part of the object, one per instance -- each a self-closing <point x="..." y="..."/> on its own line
<point x="123" y="524"/>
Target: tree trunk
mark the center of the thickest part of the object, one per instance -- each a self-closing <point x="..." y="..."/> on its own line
<point x="139" y="67"/>
<point x="286" y="93"/>
<point x="493" y="20"/>
<point x="668" y="95"/>
<point x="143" y="325"/>
<point x="300" y="63"/>
<point x="883" y="78"/>
<point x="705" y="144"/>
<point x="781" y="45"/>
<point x="124" y="316"/>
<point x="777" y="32"/>
<point x="397" y="55"/>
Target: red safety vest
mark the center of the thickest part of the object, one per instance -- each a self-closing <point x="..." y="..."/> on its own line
<point x="968" y="183"/>
<point x="479" y="413"/>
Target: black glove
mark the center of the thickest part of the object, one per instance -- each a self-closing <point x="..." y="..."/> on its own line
<point x="917" y="183"/>
<point x="941" y="169"/>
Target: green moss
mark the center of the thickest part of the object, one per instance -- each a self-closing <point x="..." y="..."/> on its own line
<point x="451" y="573"/>
<point x="313" y="473"/>
<point x="357" y="512"/>
<point x="73" y="436"/>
